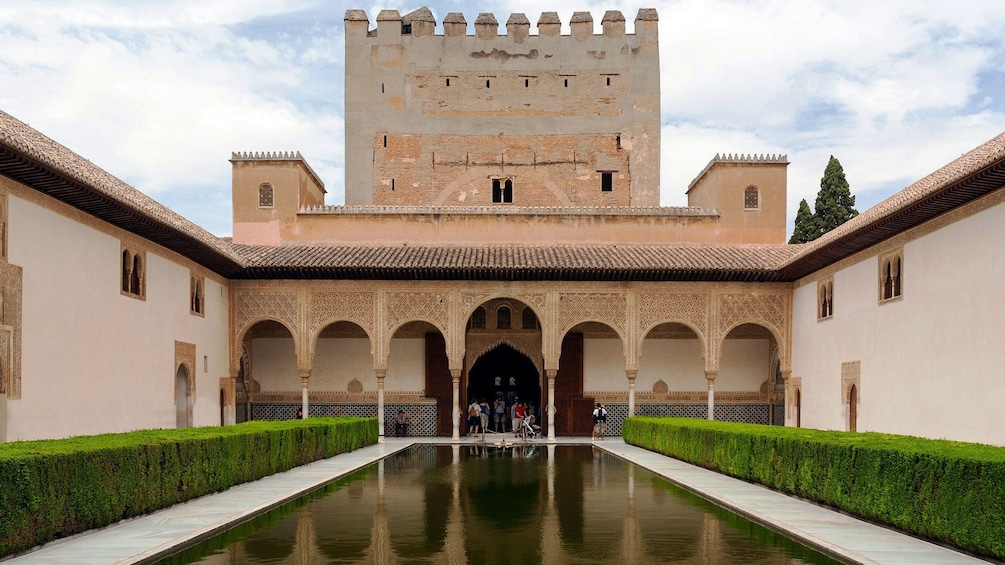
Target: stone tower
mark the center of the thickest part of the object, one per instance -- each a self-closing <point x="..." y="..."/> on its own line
<point x="521" y="119"/>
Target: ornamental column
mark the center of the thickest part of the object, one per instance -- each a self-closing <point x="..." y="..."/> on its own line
<point x="631" y="374"/>
<point x="550" y="375"/>
<point x="305" y="377"/>
<point x="710" y="375"/>
<point x="381" y="373"/>
<point x="455" y="417"/>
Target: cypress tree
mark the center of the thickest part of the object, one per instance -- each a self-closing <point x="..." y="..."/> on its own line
<point x="806" y="225"/>
<point x="835" y="204"/>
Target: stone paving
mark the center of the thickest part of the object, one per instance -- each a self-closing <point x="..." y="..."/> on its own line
<point x="147" y="538"/>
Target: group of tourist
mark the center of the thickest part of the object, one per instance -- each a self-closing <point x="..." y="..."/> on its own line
<point x="502" y="417"/>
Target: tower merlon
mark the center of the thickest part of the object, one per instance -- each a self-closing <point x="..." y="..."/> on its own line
<point x="518" y="27"/>
<point x="581" y="25"/>
<point x="486" y="26"/>
<point x="391" y="25"/>
<point x="613" y="23"/>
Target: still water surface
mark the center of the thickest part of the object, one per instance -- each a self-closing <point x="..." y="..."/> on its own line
<point x="516" y="505"/>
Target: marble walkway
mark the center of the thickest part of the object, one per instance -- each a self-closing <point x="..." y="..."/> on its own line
<point x="145" y="539"/>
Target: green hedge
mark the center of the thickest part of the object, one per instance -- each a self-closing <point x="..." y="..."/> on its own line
<point x="56" y="488"/>
<point x="951" y="492"/>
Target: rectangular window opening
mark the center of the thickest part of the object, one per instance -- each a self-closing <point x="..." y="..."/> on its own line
<point x="526" y="83"/>
<point x="385" y="141"/>
<point x="392" y="185"/>
<point x="608" y="81"/>
<point x="606" y="181"/>
<point x="205" y="363"/>
<point x="567" y="83"/>
<point x="448" y="81"/>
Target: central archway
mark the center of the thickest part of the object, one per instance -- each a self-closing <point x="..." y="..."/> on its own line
<point x="503" y="372"/>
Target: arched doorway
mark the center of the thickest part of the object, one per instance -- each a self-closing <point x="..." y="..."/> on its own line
<point x="503" y="357"/>
<point x="853" y="409"/>
<point x="746" y="378"/>
<point x="503" y="372"/>
<point x="182" y="413"/>
<point x="270" y="369"/>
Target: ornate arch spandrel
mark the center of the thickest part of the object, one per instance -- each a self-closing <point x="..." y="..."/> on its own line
<point x="687" y="309"/>
<point x="479" y="345"/>
<point x="327" y="308"/>
<point x="242" y="332"/>
<point x="403" y="307"/>
<point x="770" y="310"/>
<point x="610" y="308"/>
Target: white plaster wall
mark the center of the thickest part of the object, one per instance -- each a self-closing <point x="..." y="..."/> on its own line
<point x="274" y="364"/>
<point x="96" y="361"/>
<point x="406" y="365"/>
<point x="931" y="363"/>
<point x="604" y="365"/>
<point x="743" y="365"/>
<point x="338" y="361"/>
<point x="677" y="361"/>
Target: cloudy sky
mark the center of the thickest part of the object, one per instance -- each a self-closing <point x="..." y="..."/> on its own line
<point x="160" y="93"/>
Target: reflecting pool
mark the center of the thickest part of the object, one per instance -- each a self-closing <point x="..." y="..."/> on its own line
<point x="487" y="504"/>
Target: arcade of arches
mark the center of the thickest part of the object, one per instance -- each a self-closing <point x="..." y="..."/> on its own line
<point x="715" y="350"/>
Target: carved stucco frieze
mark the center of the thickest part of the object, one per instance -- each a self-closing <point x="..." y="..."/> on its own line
<point x="661" y="308"/>
<point x="772" y="310"/>
<point x="356" y="307"/>
<point x="480" y="344"/>
<point x="606" y="307"/>
<point x="261" y="304"/>
<point x="402" y="307"/>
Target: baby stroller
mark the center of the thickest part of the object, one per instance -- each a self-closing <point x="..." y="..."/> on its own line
<point x="528" y="429"/>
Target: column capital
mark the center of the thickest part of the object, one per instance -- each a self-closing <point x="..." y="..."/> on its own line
<point x="455" y="375"/>
<point x="711" y="375"/>
<point x="380" y="373"/>
<point x="632" y="374"/>
<point x="305" y="377"/>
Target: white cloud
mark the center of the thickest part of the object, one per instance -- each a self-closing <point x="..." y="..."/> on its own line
<point x="159" y="94"/>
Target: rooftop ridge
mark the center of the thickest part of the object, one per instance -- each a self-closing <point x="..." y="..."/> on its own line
<point x="751" y="158"/>
<point x="497" y="210"/>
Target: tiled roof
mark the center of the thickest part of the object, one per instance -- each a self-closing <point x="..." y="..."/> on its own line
<point x="976" y="173"/>
<point x="36" y="160"/>
<point x="517" y="262"/>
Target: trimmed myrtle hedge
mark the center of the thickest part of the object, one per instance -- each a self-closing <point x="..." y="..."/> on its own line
<point x="946" y="491"/>
<point x="55" y="488"/>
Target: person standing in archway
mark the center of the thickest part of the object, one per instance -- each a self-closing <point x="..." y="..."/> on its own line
<point x="599" y="421"/>
<point x="519" y="412"/>
<point x="499" y="408"/>
<point x="474" y="417"/>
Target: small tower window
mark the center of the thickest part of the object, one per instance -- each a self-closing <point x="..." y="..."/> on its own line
<point x="526" y="83"/>
<point x="487" y="84"/>
<point x="266" y="196"/>
<point x="751" y="198"/>
<point x="608" y="81"/>
<point x="567" y="83"/>
<point x="502" y="191"/>
<point x="197" y="296"/>
<point x="606" y="181"/>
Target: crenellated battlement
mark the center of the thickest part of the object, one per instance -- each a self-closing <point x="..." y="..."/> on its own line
<point x="428" y="115"/>
<point x="739" y="158"/>
<point x="390" y="24"/>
